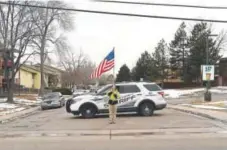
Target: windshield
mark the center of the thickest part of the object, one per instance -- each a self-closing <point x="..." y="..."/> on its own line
<point x="104" y="89"/>
<point x="51" y="95"/>
<point x="152" y="87"/>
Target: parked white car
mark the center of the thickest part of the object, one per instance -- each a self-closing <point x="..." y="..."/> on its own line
<point x="141" y="97"/>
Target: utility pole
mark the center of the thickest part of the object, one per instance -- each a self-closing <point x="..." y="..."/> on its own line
<point x="183" y="65"/>
<point x="207" y="95"/>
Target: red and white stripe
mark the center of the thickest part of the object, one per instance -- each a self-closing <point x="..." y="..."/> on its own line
<point x="104" y="66"/>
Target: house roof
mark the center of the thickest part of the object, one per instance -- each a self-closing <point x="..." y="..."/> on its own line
<point x="49" y="67"/>
<point x="29" y="68"/>
<point x="36" y="69"/>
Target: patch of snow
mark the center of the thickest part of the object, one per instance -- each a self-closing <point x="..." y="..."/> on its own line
<point x="12" y="111"/>
<point x="171" y="93"/>
<point x="7" y="106"/>
<point x="23" y="101"/>
<point x="176" y="93"/>
<point x="208" y="107"/>
<point x="2" y="100"/>
<point x="222" y="87"/>
<point x="218" y="90"/>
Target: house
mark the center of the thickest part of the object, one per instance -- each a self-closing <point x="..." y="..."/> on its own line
<point x="28" y="76"/>
<point x="52" y="75"/>
<point x="222" y="79"/>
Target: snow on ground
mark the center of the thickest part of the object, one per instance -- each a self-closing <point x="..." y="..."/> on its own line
<point x="10" y="111"/>
<point x="222" y="87"/>
<point x="219" y="90"/>
<point x="177" y="93"/>
<point x="7" y="108"/>
<point x="27" y="102"/>
<point x="23" y="101"/>
<point x="19" y="105"/>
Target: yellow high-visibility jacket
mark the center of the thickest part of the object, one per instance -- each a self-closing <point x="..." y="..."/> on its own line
<point x="113" y="96"/>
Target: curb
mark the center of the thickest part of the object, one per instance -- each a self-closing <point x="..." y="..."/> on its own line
<point x="212" y="109"/>
<point x="197" y="113"/>
<point x="106" y="133"/>
<point x="21" y="114"/>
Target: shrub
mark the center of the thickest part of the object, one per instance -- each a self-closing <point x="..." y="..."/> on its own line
<point x="63" y="91"/>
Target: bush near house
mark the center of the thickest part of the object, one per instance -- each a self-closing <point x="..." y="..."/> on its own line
<point x="63" y="91"/>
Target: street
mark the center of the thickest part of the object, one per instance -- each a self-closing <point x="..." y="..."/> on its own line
<point x="167" y="129"/>
<point x="211" y="143"/>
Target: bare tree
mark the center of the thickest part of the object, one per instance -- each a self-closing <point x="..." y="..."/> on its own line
<point x="77" y="68"/>
<point x="49" y="22"/>
<point x="16" y="33"/>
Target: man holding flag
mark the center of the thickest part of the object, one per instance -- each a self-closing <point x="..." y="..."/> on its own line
<point x="106" y="65"/>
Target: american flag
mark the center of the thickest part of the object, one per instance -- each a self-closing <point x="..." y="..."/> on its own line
<point x="104" y="66"/>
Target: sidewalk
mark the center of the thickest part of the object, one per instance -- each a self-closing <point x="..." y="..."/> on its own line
<point x="211" y="114"/>
<point x="23" y="113"/>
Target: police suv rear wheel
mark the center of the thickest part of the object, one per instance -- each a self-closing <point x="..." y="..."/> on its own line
<point x="88" y="111"/>
<point x="146" y="109"/>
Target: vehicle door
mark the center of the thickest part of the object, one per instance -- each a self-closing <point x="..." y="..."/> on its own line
<point x="128" y="95"/>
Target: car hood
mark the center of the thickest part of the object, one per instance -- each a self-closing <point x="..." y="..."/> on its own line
<point x="87" y="96"/>
<point x="84" y="96"/>
<point x="78" y="92"/>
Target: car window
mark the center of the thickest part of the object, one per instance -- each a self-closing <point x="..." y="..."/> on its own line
<point x="152" y="87"/>
<point x="104" y="90"/>
<point x="51" y="95"/>
<point x="128" y="89"/>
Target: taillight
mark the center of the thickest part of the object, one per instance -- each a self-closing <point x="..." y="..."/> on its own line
<point x="161" y="93"/>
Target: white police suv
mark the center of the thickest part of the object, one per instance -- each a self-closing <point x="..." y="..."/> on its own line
<point x="141" y="97"/>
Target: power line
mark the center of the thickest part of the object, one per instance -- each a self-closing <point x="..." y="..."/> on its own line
<point x="117" y="13"/>
<point x="162" y="4"/>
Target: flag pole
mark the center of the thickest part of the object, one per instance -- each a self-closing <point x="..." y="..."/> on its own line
<point x="114" y="68"/>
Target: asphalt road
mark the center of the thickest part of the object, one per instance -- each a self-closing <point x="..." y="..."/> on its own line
<point x="119" y="144"/>
<point x="58" y="119"/>
<point x="168" y="129"/>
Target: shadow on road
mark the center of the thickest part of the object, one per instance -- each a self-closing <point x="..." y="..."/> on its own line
<point x="119" y="115"/>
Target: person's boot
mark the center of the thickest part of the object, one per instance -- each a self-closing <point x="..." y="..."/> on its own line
<point x="110" y="121"/>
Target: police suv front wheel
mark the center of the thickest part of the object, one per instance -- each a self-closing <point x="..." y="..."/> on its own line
<point x="88" y="111"/>
<point x="146" y="109"/>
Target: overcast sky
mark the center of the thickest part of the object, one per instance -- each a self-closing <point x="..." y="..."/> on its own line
<point x="97" y="34"/>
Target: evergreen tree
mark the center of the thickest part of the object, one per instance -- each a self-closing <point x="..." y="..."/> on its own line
<point x="160" y="57"/>
<point x="123" y="74"/>
<point x="178" y="51"/>
<point x="198" y="44"/>
<point x="144" y="68"/>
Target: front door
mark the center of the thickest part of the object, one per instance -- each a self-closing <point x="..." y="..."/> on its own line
<point x="128" y="96"/>
<point x="102" y="98"/>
